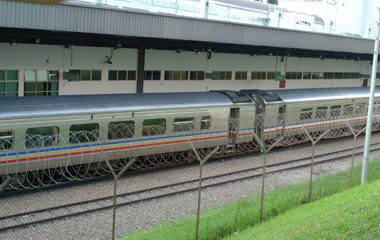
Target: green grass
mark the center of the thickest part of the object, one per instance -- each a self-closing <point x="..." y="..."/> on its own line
<point x="238" y="215"/>
<point x="353" y="214"/>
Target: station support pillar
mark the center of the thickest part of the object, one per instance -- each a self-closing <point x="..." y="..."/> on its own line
<point x="140" y="69"/>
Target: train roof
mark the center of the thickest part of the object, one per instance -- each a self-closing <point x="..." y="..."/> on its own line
<point x="48" y="106"/>
<point x="311" y="94"/>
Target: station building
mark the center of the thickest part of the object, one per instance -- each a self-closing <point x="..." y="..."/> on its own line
<point x="79" y="49"/>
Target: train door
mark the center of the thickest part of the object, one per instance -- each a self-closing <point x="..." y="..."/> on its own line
<point x="233" y="125"/>
<point x="281" y="120"/>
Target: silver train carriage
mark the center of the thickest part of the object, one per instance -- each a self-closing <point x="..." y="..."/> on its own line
<point x="49" y="132"/>
<point x="314" y="110"/>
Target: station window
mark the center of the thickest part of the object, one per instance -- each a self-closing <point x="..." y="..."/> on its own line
<point x="153" y="127"/>
<point x="120" y="75"/>
<point x="6" y="140"/>
<point x="197" y="75"/>
<point x="316" y="75"/>
<point x="258" y="75"/>
<point x="293" y="75"/>
<point x="120" y="130"/>
<point x="223" y="75"/>
<point x="241" y="75"/>
<point x="272" y="75"/>
<point x="306" y="75"/>
<point x="131" y="75"/>
<point x="87" y="75"/>
<point x="328" y="75"/>
<point x="183" y="124"/>
<point x="306" y="114"/>
<point x="41" y="83"/>
<point x="176" y="75"/>
<point x="321" y="113"/>
<point x="152" y="75"/>
<point x="41" y="137"/>
<point x="114" y="75"/>
<point x="81" y="133"/>
<point x="338" y="75"/>
<point x="205" y="123"/>
<point x="8" y="83"/>
<point x="352" y="75"/>
<point x="335" y="111"/>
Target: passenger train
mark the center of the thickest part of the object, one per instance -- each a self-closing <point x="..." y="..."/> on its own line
<point x="70" y="137"/>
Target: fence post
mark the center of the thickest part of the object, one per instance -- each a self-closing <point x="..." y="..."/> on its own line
<point x="355" y="134"/>
<point x="116" y="177"/>
<point x="264" y="152"/>
<point x="201" y="161"/>
<point x="313" y="142"/>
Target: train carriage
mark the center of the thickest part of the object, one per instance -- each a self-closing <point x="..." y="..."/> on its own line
<point x="75" y="130"/>
<point x="314" y="110"/>
<point x="78" y="133"/>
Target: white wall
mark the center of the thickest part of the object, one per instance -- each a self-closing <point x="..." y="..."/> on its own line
<point x="32" y="57"/>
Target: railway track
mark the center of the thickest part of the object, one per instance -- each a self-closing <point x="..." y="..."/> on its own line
<point x="46" y="215"/>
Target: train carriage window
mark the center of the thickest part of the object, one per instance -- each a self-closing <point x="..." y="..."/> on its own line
<point x="120" y="130"/>
<point x="41" y="137"/>
<point x="376" y="107"/>
<point x="321" y="113"/>
<point x="6" y="140"/>
<point x="361" y="109"/>
<point x="348" y="110"/>
<point x="335" y="111"/>
<point x="153" y="127"/>
<point x="306" y="114"/>
<point x="205" y="123"/>
<point x="81" y="133"/>
<point x="183" y="124"/>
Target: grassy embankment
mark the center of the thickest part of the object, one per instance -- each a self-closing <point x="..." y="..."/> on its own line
<point x="238" y="215"/>
<point x="353" y="214"/>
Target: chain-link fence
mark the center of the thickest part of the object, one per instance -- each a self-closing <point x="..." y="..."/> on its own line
<point x="255" y="167"/>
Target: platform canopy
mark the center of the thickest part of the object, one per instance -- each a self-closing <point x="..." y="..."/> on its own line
<point x="92" y="25"/>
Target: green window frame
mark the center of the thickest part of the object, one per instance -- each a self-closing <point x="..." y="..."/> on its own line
<point x="41" y="83"/>
<point x="8" y="83"/>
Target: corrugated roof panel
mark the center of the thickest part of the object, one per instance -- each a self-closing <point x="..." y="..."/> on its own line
<point x="90" y="19"/>
<point x="28" y="107"/>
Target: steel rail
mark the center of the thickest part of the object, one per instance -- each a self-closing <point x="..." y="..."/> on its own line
<point x="73" y="214"/>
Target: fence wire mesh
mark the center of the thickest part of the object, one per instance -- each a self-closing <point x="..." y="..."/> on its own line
<point x="68" y="185"/>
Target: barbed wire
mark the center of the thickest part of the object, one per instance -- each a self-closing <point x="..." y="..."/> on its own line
<point x="40" y="160"/>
